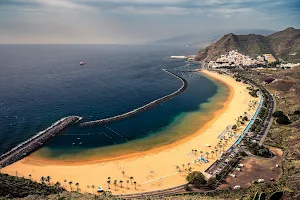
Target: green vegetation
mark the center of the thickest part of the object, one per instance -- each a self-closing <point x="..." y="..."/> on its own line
<point x="281" y="117"/>
<point x="196" y="178"/>
<point x="283" y="120"/>
<point x="254" y="92"/>
<point x="276" y="196"/>
<point x="277" y="114"/>
<point x="20" y="187"/>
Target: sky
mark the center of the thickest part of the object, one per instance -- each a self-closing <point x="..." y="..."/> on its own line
<point x="136" y="21"/>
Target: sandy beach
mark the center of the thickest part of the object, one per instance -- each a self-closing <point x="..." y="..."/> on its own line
<point x="154" y="169"/>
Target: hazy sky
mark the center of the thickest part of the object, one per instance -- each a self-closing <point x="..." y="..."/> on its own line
<point x="136" y="21"/>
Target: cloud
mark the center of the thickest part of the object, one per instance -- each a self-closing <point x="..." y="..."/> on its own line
<point x="163" y="7"/>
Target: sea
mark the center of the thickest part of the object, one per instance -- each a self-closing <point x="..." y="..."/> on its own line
<point x="40" y="84"/>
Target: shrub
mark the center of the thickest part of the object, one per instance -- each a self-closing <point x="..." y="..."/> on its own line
<point x="234" y="127"/>
<point x="269" y="80"/>
<point x="245" y="118"/>
<point x="276" y="196"/>
<point x="277" y="114"/>
<point x="297" y="112"/>
<point x="283" y="120"/>
<point x="196" y="178"/>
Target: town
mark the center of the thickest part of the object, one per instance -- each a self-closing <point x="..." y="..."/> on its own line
<point x="234" y="59"/>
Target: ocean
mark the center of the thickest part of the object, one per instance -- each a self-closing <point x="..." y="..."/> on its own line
<point x="39" y="84"/>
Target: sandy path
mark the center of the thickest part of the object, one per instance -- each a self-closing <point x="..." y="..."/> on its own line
<point x="155" y="169"/>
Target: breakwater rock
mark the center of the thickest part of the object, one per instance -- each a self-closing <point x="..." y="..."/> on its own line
<point x="37" y="141"/>
<point x="142" y="108"/>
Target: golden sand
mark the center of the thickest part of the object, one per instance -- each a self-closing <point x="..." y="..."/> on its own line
<point x="154" y="169"/>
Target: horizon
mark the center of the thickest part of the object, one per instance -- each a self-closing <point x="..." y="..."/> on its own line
<point x="136" y="21"/>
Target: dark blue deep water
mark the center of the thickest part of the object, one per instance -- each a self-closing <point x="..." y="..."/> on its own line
<point x="40" y="84"/>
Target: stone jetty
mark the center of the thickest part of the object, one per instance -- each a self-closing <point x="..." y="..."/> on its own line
<point x="37" y="141"/>
<point x="142" y="108"/>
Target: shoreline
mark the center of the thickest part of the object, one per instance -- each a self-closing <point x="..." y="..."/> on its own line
<point x="94" y="160"/>
<point x="146" y="167"/>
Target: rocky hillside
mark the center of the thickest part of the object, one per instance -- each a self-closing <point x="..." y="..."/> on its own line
<point x="284" y="44"/>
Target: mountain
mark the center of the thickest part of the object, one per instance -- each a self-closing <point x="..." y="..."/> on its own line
<point x="206" y="38"/>
<point x="283" y="44"/>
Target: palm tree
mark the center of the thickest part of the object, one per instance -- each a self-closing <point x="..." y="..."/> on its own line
<point x="131" y="178"/>
<point x="48" y="179"/>
<point x="190" y="169"/>
<point x="121" y="183"/>
<point x="183" y="166"/>
<point x="177" y="167"/>
<point x="123" y="172"/>
<point x="93" y="188"/>
<point x="77" y="185"/>
<point x="57" y="184"/>
<point x="29" y="176"/>
<point x="108" y="182"/>
<point x="115" y="183"/>
<point x="127" y="184"/>
<point x="65" y="182"/>
<point x="207" y="153"/>
<point x="220" y="146"/>
<point x="43" y="179"/>
<point x="195" y="151"/>
<point x="108" y="178"/>
<point x="188" y="164"/>
<point x="134" y="185"/>
<point x="70" y="183"/>
<point x="216" y="152"/>
<point x="212" y="154"/>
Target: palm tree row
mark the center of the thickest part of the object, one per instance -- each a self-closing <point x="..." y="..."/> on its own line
<point x="121" y="182"/>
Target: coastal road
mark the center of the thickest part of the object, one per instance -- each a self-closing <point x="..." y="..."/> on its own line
<point x="269" y="122"/>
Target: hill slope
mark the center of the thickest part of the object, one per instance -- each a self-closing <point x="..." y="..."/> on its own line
<point x="281" y="44"/>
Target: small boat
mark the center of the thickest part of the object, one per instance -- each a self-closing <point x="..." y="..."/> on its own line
<point x="73" y="143"/>
<point x="82" y="63"/>
<point x="80" y="143"/>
